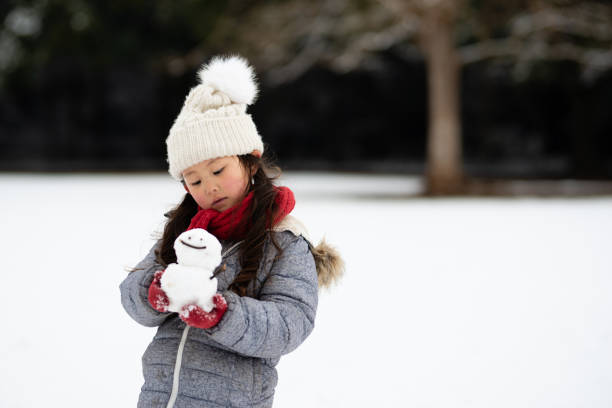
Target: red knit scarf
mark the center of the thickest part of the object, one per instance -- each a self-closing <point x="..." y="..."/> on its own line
<point x="231" y="223"/>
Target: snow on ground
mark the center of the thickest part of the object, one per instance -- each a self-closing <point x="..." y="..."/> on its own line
<point x="446" y="302"/>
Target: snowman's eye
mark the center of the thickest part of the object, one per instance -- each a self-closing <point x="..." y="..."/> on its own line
<point x="188" y="237"/>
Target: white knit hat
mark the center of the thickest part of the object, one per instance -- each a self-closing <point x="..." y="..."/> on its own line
<point x="213" y="122"/>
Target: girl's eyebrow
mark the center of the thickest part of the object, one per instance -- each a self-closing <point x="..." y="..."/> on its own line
<point x="212" y="161"/>
<point x="193" y="171"/>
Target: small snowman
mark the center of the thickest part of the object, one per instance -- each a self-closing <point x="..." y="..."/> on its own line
<point x="190" y="281"/>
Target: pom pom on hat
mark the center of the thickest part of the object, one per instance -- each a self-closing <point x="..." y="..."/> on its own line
<point x="233" y="76"/>
<point x="213" y="121"/>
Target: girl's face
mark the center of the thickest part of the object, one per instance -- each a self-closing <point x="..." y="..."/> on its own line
<point x="219" y="183"/>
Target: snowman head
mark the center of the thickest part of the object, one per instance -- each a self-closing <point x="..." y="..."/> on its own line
<point x="197" y="247"/>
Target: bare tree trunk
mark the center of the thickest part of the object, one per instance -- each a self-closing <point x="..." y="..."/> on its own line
<point x="444" y="172"/>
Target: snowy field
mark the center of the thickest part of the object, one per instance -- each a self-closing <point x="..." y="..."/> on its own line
<point x="446" y="302"/>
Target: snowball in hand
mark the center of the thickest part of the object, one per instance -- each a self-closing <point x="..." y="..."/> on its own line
<point x="190" y="281"/>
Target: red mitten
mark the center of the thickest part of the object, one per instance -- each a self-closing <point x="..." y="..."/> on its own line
<point x="157" y="297"/>
<point x="195" y="316"/>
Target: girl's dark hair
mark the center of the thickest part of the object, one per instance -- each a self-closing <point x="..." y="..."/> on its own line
<point x="260" y="214"/>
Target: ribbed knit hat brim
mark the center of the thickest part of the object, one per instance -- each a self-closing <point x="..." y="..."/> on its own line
<point x="208" y="138"/>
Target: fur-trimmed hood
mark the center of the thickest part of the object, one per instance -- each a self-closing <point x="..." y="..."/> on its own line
<point x="329" y="263"/>
<point x="330" y="266"/>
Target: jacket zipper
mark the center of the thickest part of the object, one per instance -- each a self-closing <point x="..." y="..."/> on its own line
<point x="177" y="368"/>
<point x="181" y="347"/>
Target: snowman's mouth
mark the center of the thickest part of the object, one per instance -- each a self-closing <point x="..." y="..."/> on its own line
<point x="192" y="246"/>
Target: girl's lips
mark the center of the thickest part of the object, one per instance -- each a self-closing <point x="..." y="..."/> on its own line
<point x="218" y="201"/>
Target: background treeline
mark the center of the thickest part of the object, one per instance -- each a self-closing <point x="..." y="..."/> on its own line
<point x="96" y="85"/>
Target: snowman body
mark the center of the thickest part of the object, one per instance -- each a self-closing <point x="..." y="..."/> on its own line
<point x="191" y="280"/>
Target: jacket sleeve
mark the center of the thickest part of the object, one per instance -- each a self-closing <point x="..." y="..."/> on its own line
<point x="283" y="316"/>
<point x="135" y="292"/>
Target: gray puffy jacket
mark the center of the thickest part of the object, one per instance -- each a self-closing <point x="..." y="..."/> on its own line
<point x="233" y="363"/>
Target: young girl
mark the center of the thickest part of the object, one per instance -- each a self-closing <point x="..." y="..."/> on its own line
<point x="270" y="274"/>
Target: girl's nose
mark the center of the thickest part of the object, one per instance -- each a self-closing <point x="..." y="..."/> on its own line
<point x="211" y="188"/>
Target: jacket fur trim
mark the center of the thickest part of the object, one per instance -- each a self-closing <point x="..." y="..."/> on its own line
<point x="329" y="263"/>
